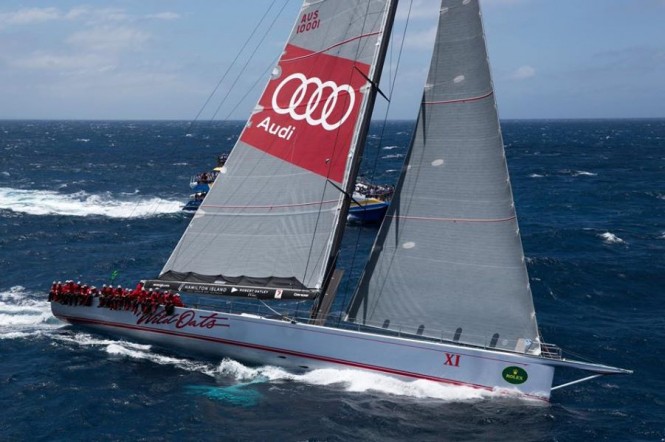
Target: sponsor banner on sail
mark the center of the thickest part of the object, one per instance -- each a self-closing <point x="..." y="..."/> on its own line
<point x="309" y="110"/>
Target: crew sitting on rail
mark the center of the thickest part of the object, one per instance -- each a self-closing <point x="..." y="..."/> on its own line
<point x="119" y="298"/>
<point x="72" y="293"/>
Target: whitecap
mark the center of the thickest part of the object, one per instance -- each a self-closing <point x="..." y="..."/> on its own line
<point x="390" y="147"/>
<point x="396" y="155"/>
<point x="47" y="202"/>
<point x="132" y="350"/>
<point x="535" y="175"/>
<point x="611" y="238"/>
<point x="583" y="173"/>
<point x="24" y="315"/>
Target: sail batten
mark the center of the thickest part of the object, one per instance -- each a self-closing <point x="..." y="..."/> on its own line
<point x="448" y="261"/>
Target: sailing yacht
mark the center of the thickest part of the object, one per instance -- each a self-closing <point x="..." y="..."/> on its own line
<point x="445" y="295"/>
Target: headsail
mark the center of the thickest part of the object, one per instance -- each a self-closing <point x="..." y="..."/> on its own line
<point x="274" y="212"/>
<point x="448" y="262"/>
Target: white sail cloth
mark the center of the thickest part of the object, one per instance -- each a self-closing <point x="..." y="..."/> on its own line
<point x="448" y="262"/>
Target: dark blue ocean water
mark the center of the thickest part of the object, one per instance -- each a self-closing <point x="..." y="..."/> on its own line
<point x="82" y="199"/>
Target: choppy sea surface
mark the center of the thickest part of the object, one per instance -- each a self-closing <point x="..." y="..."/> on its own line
<point x="82" y="199"/>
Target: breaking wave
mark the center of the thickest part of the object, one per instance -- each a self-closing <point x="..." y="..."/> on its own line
<point x="25" y="315"/>
<point x="576" y="173"/>
<point x="583" y="173"/>
<point x="611" y="238"/>
<point x="46" y="202"/>
<point x="132" y="350"/>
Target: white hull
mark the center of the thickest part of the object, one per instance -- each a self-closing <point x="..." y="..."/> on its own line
<point x="299" y="346"/>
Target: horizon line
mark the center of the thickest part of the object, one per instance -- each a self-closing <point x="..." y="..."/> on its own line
<point x="373" y="121"/>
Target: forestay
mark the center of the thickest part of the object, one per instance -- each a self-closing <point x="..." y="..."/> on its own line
<point x="274" y="211"/>
<point x="448" y="261"/>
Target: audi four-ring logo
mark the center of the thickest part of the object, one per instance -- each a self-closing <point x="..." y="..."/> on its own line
<point x="312" y="103"/>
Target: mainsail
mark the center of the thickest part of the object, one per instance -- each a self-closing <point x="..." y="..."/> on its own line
<point x="272" y="219"/>
<point x="448" y="262"/>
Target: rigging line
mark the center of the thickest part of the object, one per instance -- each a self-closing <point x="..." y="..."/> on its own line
<point x="242" y="70"/>
<point x="273" y="310"/>
<point x="376" y="157"/>
<point x="178" y="251"/>
<point x="292" y="319"/>
<point x="357" y="242"/>
<point x="332" y="236"/>
<point x="580" y="356"/>
<point x="392" y="88"/>
<point x="373" y="83"/>
<point x="251" y="88"/>
<point x="228" y="69"/>
<point x="349" y="196"/>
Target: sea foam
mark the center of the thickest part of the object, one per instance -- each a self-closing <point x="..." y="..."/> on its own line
<point x="46" y="202"/>
<point x="131" y="350"/>
<point x="611" y="238"/>
<point x="25" y="315"/>
<point x="356" y="381"/>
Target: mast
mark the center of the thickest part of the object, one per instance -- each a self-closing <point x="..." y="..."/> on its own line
<point x="358" y="145"/>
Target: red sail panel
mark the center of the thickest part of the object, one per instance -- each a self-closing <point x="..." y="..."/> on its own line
<point x="308" y="112"/>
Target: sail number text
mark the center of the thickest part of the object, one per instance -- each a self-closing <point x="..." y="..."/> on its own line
<point x="308" y="22"/>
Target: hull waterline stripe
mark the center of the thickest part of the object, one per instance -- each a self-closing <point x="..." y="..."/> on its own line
<point x="75" y="320"/>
